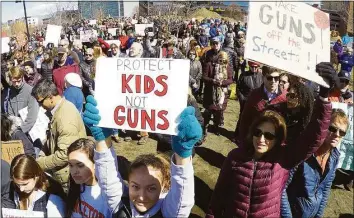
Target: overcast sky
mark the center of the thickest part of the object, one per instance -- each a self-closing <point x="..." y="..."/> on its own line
<point x="12" y="10"/>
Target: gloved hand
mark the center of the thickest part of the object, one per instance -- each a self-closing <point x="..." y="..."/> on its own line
<point x="189" y="133"/>
<point x="327" y="72"/>
<point x="91" y="119"/>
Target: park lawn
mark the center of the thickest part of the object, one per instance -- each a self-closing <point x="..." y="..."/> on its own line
<point x="208" y="161"/>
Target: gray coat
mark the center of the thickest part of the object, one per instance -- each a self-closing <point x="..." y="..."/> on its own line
<point x="195" y="72"/>
<point x="18" y="99"/>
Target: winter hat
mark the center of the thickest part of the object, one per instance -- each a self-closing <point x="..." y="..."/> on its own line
<point x="29" y="63"/>
<point x="344" y="75"/>
<point x="73" y="79"/>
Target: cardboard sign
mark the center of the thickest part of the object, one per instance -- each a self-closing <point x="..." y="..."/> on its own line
<point x="346" y="158"/>
<point x="5" y="48"/>
<point x="39" y="129"/>
<point x="140" y="29"/>
<point x="52" y="35"/>
<point x="113" y="31"/>
<point x="87" y="34"/>
<point x="141" y="94"/>
<point x="15" y="213"/>
<point x="291" y="36"/>
<point x="11" y="149"/>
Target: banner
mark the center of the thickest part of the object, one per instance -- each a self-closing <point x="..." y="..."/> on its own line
<point x="346" y="159"/>
<point x="141" y="94"/>
<point x="113" y="31"/>
<point x="52" y="35"/>
<point x="87" y="34"/>
<point x="39" y="129"/>
<point x="5" y="48"/>
<point x="140" y="29"/>
<point x="15" y="213"/>
<point x="11" y="149"/>
<point x="291" y="36"/>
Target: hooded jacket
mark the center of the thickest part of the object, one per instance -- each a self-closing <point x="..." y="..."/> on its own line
<point x="252" y="188"/>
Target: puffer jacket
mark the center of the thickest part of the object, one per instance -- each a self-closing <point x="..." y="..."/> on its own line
<point x="252" y="188"/>
<point x="309" y="190"/>
<point x="47" y="70"/>
<point x="247" y="82"/>
<point x="88" y="78"/>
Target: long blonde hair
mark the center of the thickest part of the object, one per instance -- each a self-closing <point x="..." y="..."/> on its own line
<point x="222" y="56"/>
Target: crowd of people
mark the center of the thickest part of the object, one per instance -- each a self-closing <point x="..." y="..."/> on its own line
<point x="287" y="135"/>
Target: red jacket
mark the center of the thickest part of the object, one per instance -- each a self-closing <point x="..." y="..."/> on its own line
<point x="256" y="103"/>
<point x="60" y="73"/>
<point x="253" y="188"/>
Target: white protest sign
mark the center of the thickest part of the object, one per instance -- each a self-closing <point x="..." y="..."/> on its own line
<point x="87" y="34"/>
<point x="110" y="42"/>
<point x="15" y="213"/>
<point x="92" y="22"/>
<point x="291" y="36"/>
<point x="346" y="158"/>
<point x="5" y="48"/>
<point x="113" y="31"/>
<point x="52" y="35"/>
<point x="134" y="21"/>
<point x="140" y="28"/>
<point x="40" y="126"/>
<point x="141" y="94"/>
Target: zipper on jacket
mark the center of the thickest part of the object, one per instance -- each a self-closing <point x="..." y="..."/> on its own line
<point x="250" y="192"/>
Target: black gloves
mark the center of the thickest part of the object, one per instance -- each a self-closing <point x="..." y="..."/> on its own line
<point x="327" y="72"/>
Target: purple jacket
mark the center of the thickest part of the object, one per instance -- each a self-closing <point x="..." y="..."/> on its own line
<point x="253" y="188"/>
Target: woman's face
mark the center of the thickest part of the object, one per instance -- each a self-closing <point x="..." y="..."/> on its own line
<point x="284" y="83"/>
<point x="292" y="99"/>
<point x="27" y="186"/>
<point x="81" y="167"/>
<point x="145" y="185"/>
<point x="46" y="56"/>
<point x="264" y="138"/>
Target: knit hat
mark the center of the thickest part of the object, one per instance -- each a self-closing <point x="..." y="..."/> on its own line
<point x="29" y="63"/>
<point x="73" y="79"/>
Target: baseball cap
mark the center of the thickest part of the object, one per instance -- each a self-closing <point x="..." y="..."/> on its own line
<point x="344" y="75"/>
<point x="253" y="64"/>
<point x="29" y="63"/>
<point x="61" y="50"/>
<point x="215" y="39"/>
<point x="73" y="79"/>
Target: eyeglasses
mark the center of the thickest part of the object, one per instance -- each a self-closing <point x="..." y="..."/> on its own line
<point x="267" y="135"/>
<point x="283" y="82"/>
<point x="223" y="61"/>
<point x="89" y="55"/>
<point x="270" y="78"/>
<point x="42" y="101"/>
<point x="291" y="95"/>
<point x="334" y="129"/>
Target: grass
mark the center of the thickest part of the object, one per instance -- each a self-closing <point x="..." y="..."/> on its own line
<point x="209" y="158"/>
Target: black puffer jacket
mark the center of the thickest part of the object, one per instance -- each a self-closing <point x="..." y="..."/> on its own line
<point x="47" y="70"/>
<point x="247" y="82"/>
<point x="88" y="80"/>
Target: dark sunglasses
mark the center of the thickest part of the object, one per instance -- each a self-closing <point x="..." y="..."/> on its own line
<point x="334" y="129"/>
<point x="89" y="55"/>
<point x="270" y="78"/>
<point x="291" y="95"/>
<point x="267" y="135"/>
<point x="41" y="101"/>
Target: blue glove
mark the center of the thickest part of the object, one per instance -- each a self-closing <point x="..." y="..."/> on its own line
<point x="189" y="133"/>
<point x="92" y="118"/>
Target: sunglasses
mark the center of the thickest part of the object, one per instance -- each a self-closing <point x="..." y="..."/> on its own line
<point x="270" y="78"/>
<point x="267" y="135"/>
<point x="334" y="129"/>
<point x="42" y="101"/>
<point x="89" y="55"/>
<point x="291" y="95"/>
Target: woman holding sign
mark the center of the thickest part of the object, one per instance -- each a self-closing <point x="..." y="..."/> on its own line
<point x="253" y="176"/>
<point x="155" y="189"/>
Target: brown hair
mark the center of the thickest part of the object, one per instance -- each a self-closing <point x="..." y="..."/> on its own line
<point x="266" y="70"/>
<point x="279" y="125"/>
<point x="16" y="72"/>
<point x="340" y="116"/>
<point x="25" y="167"/>
<point x="157" y="162"/>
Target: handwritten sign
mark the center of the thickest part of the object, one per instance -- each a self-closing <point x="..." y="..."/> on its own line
<point x="113" y="31"/>
<point x="11" y="149"/>
<point x="291" y="36"/>
<point x="40" y="127"/>
<point x="148" y="94"/>
<point x="140" y="29"/>
<point x="110" y="42"/>
<point x="52" y="35"/>
<point x="5" y="48"/>
<point x="346" y="158"/>
<point x="87" y="34"/>
<point x="15" y="213"/>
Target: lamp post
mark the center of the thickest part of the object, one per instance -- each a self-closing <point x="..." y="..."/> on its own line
<point x="24" y="8"/>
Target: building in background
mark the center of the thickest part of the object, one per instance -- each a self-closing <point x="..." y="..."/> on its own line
<point x="33" y="21"/>
<point x="101" y="9"/>
<point x="341" y="15"/>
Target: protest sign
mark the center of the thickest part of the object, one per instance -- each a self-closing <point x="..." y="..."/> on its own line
<point x="11" y="149"/>
<point x="117" y="42"/>
<point x="15" y="213"/>
<point x="87" y="34"/>
<point x="291" y="36"/>
<point x="140" y="28"/>
<point x="92" y="22"/>
<point x="141" y="94"/>
<point x="52" y="35"/>
<point x="134" y="21"/>
<point x="346" y="158"/>
<point x="113" y="31"/>
<point x="102" y="27"/>
<point x="5" y="48"/>
<point x="39" y="129"/>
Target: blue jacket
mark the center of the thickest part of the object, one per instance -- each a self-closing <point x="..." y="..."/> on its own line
<point x="308" y="189"/>
<point x="347" y="62"/>
<point x="75" y="96"/>
<point x="203" y="40"/>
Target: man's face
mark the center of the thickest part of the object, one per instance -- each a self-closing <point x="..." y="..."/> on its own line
<point x="216" y="46"/>
<point x="40" y="51"/>
<point x="46" y="102"/>
<point x="114" y="49"/>
<point x="9" y="65"/>
<point x="62" y="57"/>
<point x="28" y="70"/>
<point x="344" y="84"/>
<point x="271" y="82"/>
<point x="17" y="82"/>
<point x="89" y="55"/>
<point x="336" y="132"/>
